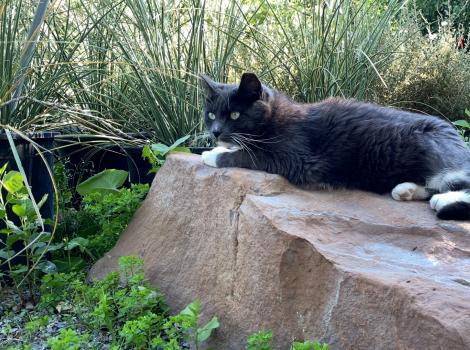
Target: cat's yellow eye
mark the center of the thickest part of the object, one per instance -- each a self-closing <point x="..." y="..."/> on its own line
<point x="235" y="115"/>
<point x="211" y="116"/>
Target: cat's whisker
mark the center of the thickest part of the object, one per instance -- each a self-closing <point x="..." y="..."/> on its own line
<point x="256" y="142"/>
<point x="245" y="148"/>
<point x="257" y="136"/>
<point x="267" y="140"/>
<point x="251" y="143"/>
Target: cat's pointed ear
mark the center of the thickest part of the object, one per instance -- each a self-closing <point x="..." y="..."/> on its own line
<point x="208" y="85"/>
<point x="250" y="87"/>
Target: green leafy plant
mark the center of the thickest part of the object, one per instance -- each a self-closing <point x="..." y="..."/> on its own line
<point x="37" y="324"/>
<point x="188" y="320"/>
<point x="68" y="339"/>
<point x="24" y="230"/>
<point x="463" y="126"/>
<point x="309" y="345"/>
<point x="139" y="333"/>
<point x="261" y="340"/>
<point x="161" y="90"/>
<point x="105" y="211"/>
<point x="427" y="73"/>
<point x="157" y="153"/>
<point x="111" y="214"/>
<point x="124" y="305"/>
<point x="318" y="49"/>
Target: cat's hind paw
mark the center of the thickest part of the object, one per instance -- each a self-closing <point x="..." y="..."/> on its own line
<point x="404" y="191"/>
<point x="439" y="201"/>
<point x="210" y="157"/>
<point x="408" y="191"/>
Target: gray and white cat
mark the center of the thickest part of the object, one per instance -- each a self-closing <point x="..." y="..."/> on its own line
<point x="339" y="143"/>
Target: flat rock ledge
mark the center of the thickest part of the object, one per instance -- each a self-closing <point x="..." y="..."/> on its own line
<point x="354" y="269"/>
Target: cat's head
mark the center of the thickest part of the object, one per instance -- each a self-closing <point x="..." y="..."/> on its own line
<point x="235" y="112"/>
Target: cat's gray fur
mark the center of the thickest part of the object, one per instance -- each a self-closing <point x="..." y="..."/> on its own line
<point x="338" y="142"/>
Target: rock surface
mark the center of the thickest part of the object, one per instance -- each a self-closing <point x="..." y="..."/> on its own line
<point x="356" y="270"/>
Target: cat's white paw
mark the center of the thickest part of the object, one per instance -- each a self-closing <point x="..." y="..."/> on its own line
<point x="439" y="201"/>
<point x="408" y="191"/>
<point x="210" y="157"/>
<point x="404" y="191"/>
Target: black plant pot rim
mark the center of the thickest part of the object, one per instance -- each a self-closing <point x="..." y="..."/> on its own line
<point x="31" y="135"/>
<point x="75" y="136"/>
<point x="199" y="150"/>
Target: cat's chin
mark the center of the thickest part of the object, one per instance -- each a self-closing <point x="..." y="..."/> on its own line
<point x="228" y="145"/>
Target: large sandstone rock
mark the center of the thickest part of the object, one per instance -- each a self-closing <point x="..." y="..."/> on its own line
<point x="357" y="270"/>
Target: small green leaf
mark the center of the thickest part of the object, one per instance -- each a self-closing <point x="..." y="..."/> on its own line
<point x="205" y="332"/>
<point x="192" y="309"/>
<point x="43" y="246"/>
<point x="6" y="254"/>
<point x="65" y="265"/>
<point x="19" y="210"/>
<point x="13" y="238"/>
<point x="107" y="181"/>
<point x="178" y="142"/>
<point x="20" y="269"/>
<point x="77" y="242"/>
<point x="160" y="148"/>
<point x="462" y="123"/>
<point x="46" y="267"/>
<point x="13" y="181"/>
<point x="3" y="168"/>
<point x="42" y="201"/>
<point x="2" y="211"/>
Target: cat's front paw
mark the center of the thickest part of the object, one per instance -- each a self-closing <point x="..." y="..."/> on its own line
<point x="210" y="157"/>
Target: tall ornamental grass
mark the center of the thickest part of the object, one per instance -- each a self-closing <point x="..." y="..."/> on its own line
<point x="162" y="46"/>
<point x="316" y="49"/>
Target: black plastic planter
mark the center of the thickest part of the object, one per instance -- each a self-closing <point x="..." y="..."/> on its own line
<point x="138" y="167"/>
<point x="83" y="161"/>
<point x="36" y="171"/>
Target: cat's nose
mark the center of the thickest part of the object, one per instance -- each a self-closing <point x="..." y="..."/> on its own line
<point x="216" y="133"/>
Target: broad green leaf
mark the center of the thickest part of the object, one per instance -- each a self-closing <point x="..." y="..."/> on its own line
<point x="19" y="269"/>
<point x="462" y="123"/>
<point x="46" y="267"/>
<point x="5" y="254"/>
<point x="39" y="236"/>
<point x="76" y="242"/>
<point x="205" y="332"/>
<point x="178" y="142"/>
<point x="75" y="263"/>
<point x="467" y="112"/>
<point x="147" y="153"/>
<point x="53" y="247"/>
<point x="14" y="237"/>
<point x="160" y="148"/>
<point x="12" y="227"/>
<point x="107" y="181"/>
<point x="37" y="246"/>
<point x="13" y="181"/>
<point x="192" y="309"/>
<point x="20" y="210"/>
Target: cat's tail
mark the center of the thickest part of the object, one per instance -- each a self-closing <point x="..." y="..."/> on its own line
<point x="451" y="199"/>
